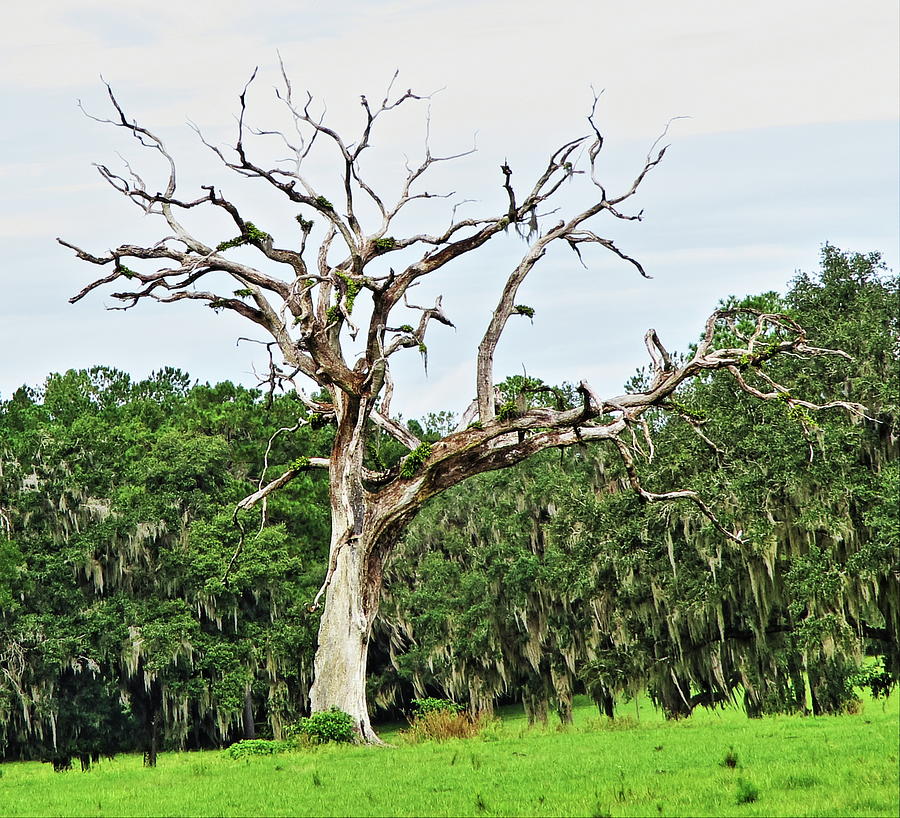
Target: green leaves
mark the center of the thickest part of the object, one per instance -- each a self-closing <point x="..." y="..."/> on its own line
<point x="122" y="533"/>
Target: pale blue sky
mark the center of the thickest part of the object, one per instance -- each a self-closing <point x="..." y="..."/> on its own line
<point x="792" y="142"/>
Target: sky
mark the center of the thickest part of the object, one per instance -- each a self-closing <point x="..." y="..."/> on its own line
<point x="787" y="138"/>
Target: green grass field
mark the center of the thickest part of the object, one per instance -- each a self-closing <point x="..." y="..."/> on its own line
<point x="785" y="766"/>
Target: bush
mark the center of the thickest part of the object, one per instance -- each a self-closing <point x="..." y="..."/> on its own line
<point x="438" y="723"/>
<point x="256" y="747"/>
<point x="327" y="725"/>
<point x="422" y="707"/>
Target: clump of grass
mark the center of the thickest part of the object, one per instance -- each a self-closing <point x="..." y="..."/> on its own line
<point x="620" y="723"/>
<point x="439" y="723"/>
<point x="730" y="760"/>
<point x="747" y="792"/>
<point x="801" y="782"/>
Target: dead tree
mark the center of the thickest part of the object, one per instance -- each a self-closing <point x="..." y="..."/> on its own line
<point x="304" y="301"/>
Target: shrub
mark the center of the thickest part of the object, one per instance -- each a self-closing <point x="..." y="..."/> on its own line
<point x="422" y="707"/>
<point x="256" y="747"/>
<point x="327" y="725"/>
<point x="612" y="725"/>
<point x="441" y="723"/>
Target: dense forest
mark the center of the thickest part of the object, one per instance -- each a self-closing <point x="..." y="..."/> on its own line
<point x="138" y="609"/>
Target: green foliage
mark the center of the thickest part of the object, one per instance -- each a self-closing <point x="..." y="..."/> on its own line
<point x="305" y="224"/>
<point x="243" y="292"/>
<point x="552" y="565"/>
<point x="414" y="461"/>
<point x="523" y="309"/>
<point x="421" y="707"/>
<point x="120" y="497"/>
<point x="322" y="202"/>
<point x="876" y="678"/>
<point x="332" y="725"/>
<point x="508" y="411"/>
<point x="256" y="747"/>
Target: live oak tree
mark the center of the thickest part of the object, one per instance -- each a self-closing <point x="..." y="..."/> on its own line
<point x="304" y="300"/>
<point x="520" y="581"/>
<point x="116" y="631"/>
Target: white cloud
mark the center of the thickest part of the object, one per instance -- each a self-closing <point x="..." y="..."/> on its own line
<point x="726" y="213"/>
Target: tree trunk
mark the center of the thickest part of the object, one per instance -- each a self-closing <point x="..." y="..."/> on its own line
<point x="353" y="580"/>
<point x="562" y="688"/>
<point x="344" y="632"/>
<point x="249" y="720"/>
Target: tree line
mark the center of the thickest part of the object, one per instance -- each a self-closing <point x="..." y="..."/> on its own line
<point x="140" y="610"/>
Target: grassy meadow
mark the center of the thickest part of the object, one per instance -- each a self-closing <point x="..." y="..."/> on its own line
<point x="715" y="763"/>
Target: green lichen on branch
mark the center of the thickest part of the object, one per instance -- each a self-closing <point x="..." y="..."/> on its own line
<point x="384" y="244"/>
<point x="353" y="289"/>
<point x="414" y="461"/>
<point x="475" y="424"/>
<point x="322" y="202"/>
<point x="683" y="410"/>
<point x="800" y="414"/>
<point x="300" y="463"/>
<point x="251" y="235"/>
<point x="508" y="411"/>
<point x="256" y="235"/>
<point x="405" y="328"/>
<point x="237" y="241"/>
<point x="523" y="309"/>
